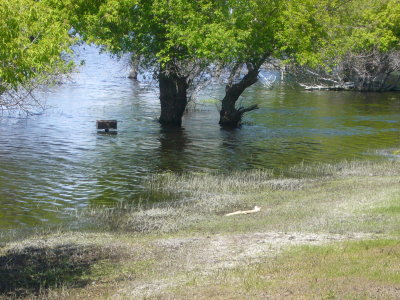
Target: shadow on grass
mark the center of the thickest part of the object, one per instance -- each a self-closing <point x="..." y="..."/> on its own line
<point x="32" y="269"/>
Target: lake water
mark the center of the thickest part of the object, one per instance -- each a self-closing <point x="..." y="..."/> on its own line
<point x="56" y="162"/>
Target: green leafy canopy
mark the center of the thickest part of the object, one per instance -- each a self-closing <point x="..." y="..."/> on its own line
<point x="317" y="32"/>
<point x="165" y="30"/>
<point x="33" y="40"/>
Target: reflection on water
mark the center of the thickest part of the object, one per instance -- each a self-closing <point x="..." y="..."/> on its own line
<point x="171" y="152"/>
<point x="57" y="162"/>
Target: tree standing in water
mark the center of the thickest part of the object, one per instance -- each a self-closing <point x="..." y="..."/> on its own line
<point x="180" y="39"/>
<point x="260" y="20"/>
<point x="148" y="29"/>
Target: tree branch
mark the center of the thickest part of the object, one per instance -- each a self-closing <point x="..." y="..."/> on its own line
<point x="243" y="110"/>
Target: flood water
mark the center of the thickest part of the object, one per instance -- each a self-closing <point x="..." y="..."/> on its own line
<point x="56" y="162"/>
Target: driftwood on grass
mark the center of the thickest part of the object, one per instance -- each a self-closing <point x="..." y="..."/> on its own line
<point x="245" y="212"/>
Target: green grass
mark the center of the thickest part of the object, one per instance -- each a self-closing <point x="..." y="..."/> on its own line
<point x="323" y="232"/>
<point x="389" y="207"/>
<point x="396" y="152"/>
<point x="348" y="270"/>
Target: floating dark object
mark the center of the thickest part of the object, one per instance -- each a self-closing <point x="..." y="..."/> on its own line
<point x="106" y="124"/>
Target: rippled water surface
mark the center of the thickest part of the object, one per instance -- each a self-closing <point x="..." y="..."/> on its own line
<point x="56" y="162"/>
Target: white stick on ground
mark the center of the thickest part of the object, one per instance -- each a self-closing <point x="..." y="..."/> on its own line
<point x="245" y="212"/>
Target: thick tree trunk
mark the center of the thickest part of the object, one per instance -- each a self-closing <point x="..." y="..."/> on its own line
<point x="230" y="116"/>
<point x="173" y="97"/>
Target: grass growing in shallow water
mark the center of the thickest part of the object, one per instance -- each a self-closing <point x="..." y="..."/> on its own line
<point x="323" y="231"/>
<point x="308" y="198"/>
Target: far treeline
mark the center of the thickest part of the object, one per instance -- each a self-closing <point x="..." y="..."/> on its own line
<point x="343" y="44"/>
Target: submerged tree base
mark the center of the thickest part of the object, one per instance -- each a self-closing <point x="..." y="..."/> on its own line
<point x="233" y="118"/>
<point x="230" y="116"/>
<point x="173" y="97"/>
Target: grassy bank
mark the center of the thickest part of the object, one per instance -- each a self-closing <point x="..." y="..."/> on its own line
<point x="323" y="231"/>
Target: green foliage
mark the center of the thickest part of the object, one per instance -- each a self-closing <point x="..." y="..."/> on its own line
<point x="229" y="31"/>
<point x="167" y="30"/>
<point x="315" y="33"/>
<point x="33" y="40"/>
<point x="308" y="31"/>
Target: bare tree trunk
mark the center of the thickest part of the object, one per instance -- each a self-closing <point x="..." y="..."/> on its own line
<point x="134" y="63"/>
<point x="230" y="116"/>
<point x="173" y="97"/>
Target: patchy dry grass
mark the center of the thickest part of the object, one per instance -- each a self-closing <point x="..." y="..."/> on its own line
<point x="346" y="270"/>
<point x="339" y="198"/>
<point x="330" y="233"/>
